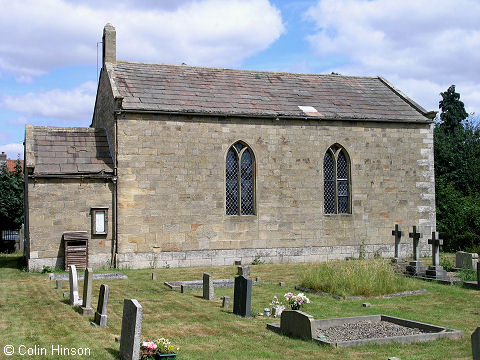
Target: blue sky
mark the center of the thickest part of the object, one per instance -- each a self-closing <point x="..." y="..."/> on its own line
<point x="48" y="49"/>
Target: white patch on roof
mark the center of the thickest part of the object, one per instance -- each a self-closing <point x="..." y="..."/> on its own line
<point x="307" y="109"/>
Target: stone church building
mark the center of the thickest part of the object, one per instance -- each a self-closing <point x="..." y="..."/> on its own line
<point x="189" y="166"/>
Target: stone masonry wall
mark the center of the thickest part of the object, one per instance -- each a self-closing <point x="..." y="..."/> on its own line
<point x="58" y="205"/>
<point x="171" y="190"/>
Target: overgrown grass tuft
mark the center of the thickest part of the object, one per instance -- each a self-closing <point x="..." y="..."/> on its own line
<point x="356" y="278"/>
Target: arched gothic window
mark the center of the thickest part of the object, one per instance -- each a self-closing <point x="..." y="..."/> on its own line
<point x="336" y="181"/>
<point x="240" y="180"/>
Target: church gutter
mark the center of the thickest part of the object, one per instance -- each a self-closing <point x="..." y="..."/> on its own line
<point x="280" y="117"/>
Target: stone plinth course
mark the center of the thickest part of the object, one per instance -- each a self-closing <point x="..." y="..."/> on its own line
<point x="131" y="330"/>
<point x="360" y="330"/>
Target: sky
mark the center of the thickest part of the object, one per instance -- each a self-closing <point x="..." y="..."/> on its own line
<point x="49" y="49"/>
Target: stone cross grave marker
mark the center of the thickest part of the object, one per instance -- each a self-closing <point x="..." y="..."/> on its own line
<point x="73" y="279"/>
<point x="476" y="344"/>
<point x="131" y="330"/>
<point x="435" y="241"/>
<point x="87" y="293"/>
<point x="416" y="236"/>
<point x="208" y="290"/>
<point x="101" y="313"/>
<point x="242" y="296"/>
<point x="398" y="236"/>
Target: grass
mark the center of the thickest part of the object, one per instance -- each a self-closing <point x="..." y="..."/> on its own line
<point x="34" y="313"/>
<point x="356" y="278"/>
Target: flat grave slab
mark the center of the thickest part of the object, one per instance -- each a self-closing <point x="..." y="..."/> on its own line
<point x="387" y="296"/>
<point x="115" y="275"/>
<point x="373" y="329"/>
<point x="198" y="284"/>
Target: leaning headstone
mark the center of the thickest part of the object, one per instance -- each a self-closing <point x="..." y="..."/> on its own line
<point x="244" y="270"/>
<point x="242" y="296"/>
<point x="297" y="324"/>
<point x="416" y="267"/>
<point x="87" y="293"/>
<point x="131" y="330"/>
<point x="465" y="260"/>
<point x="208" y="290"/>
<point x="73" y="279"/>
<point x="59" y="284"/>
<point x="476" y="344"/>
<point x="398" y="236"/>
<point x="226" y="302"/>
<point x="436" y="271"/>
<point x="101" y="313"/>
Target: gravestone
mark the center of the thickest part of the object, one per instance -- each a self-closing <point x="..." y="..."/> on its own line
<point x="131" y="334"/>
<point x="183" y="289"/>
<point x="101" y="313"/>
<point x="73" y="279"/>
<point x="416" y="267"/>
<point x="226" y="302"/>
<point x="398" y="236"/>
<point x="297" y="324"/>
<point x="154" y="276"/>
<point x="476" y="344"/>
<point x="243" y="270"/>
<point x="436" y="271"/>
<point x="465" y="260"/>
<point x="242" y="296"/>
<point x="87" y="293"/>
<point x="208" y="290"/>
<point x="59" y="284"/>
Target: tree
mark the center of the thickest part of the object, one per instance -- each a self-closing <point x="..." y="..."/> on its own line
<point x="453" y="110"/>
<point x="11" y="197"/>
<point x="457" y="165"/>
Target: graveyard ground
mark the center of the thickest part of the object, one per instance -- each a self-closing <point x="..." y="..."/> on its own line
<point x="33" y="313"/>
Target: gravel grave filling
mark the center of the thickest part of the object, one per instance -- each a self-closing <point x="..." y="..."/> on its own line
<point x="364" y="330"/>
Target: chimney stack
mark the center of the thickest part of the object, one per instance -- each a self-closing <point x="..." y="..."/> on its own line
<point x="109" y="44"/>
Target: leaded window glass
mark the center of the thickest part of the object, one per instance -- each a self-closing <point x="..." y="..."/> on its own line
<point x="240" y="180"/>
<point x="336" y="170"/>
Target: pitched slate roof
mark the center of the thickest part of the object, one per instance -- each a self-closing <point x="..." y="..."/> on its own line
<point x="200" y="90"/>
<point x="66" y="150"/>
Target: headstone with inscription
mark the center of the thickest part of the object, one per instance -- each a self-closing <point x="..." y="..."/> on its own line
<point x="87" y="293"/>
<point x="208" y="290"/>
<point x="101" y="313"/>
<point x="73" y="279"/>
<point x="242" y="296"/>
<point x="131" y="334"/>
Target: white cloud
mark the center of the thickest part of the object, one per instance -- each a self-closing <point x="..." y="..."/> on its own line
<point x="67" y="105"/>
<point x="12" y="150"/>
<point x="46" y="34"/>
<point x="422" y="48"/>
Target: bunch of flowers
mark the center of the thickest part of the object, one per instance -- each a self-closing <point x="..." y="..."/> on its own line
<point x="148" y="348"/>
<point x="277" y="307"/>
<point x="296" y="301"/>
